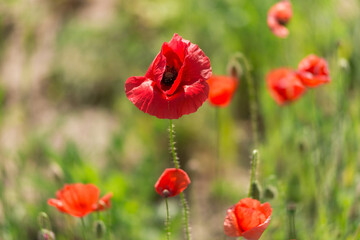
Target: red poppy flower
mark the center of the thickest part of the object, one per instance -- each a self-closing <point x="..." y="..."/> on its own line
<point x="104" y="202"/>
<point x="172" y="182"/>
<point x="175" y="83"/>
<point x="278" y="16"/>
<point x="284" y="85"/>
<point x="80" y="199"/>
<point x="222" y="89"/>
<point x="248" y="219"/>
<point x="313" y="71"/>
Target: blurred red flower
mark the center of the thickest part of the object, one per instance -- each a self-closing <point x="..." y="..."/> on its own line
<point x="80" y="199"/>
<point x="248" y="219"/>
<point x="284" y="85"/>
<point x="175" y="83"/>
<point x="278" y="16"/>
<point x="222" y="89"/>
<point x="313" y="71"/>
<point x="172" y="182"/>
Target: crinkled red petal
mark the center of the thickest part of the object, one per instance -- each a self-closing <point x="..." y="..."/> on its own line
<point x="173" y="180"/>
<point x="187" y="93"/>
<point x="146" y="96"/>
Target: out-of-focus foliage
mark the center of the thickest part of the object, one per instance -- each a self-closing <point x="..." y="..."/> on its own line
<point x="64" y="117"/>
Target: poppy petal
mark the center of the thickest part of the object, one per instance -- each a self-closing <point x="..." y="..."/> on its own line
<point x="222" y="89"/>
<point x="56" y="203"/>
<point x="196" y="66"/>
<point x="175" y="83"/>
<point x="284" y="85"/>
<point x="173" y="180"/>
<point x="104" y="202"/>
<point x="77" y="199"/>
<point x="256" y="232"/>
<point x="313" y="71"/>
<point x="278" y="16"/>
<point x="156" y="69"/>
<point x="248" y="218"/>
<point x="231" y="227"/>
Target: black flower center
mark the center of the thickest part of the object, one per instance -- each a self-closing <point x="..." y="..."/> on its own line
<point x="169" y="76"/>
<point x="283" y="22"/>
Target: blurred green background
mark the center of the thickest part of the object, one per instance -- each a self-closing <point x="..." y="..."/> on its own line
<point x="64" y="117"/>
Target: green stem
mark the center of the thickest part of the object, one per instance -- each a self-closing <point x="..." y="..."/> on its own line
<point x="183" y="201"/>
<point x="291" y="213"/>
<point x="254" y="160"/>
<point x="167" y="223"/>
<point x="251" y="91"/>
<point x="83" y="228"/>
<point x="218" y="130"/>
<point x="186" y="217"/>
<point x="253" y="107"/>
<point x="172" y="144"/>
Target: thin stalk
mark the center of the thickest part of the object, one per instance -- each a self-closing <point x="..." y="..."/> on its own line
<point x="218" y="130"/>
<point x="167" y="223"/>
<point x="251" y="91"/>
<point x="172" y="144"/>
<point x="108" y="216"/>
<point x="253" y="107"/>
<point x="186" y="217"/>
<point x="83" y="228"/>
<point x="254" y="160"/>
<point x="176" y="163"/>
<point x="291" y="214"/>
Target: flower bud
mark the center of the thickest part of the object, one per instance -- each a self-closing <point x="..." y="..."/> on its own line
<point x="44" y="221"/>
<point x="270" y="192"/>
<point x="234" y="69"/>
<point x="45" y="234"/>
<point x="99" y="229"/>
<point x="255" y="191"/>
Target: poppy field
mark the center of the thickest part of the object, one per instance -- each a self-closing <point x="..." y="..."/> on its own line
<point x="179" y="119"/>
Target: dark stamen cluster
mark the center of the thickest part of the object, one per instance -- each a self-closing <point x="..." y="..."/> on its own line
<point x="283" y="22"/>
<point x="169" y="76"/>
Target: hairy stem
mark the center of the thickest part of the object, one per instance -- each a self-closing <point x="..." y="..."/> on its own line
<point x="172" y="144"/>
<point x="176" y="163"/>
<point x="254" y="160"/>
<point x="186" y="215"/>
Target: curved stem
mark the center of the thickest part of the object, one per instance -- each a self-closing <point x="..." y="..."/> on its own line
<point x="251" y="90"/>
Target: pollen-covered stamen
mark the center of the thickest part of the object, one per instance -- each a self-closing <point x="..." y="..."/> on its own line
<point x="169" y="76"/>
